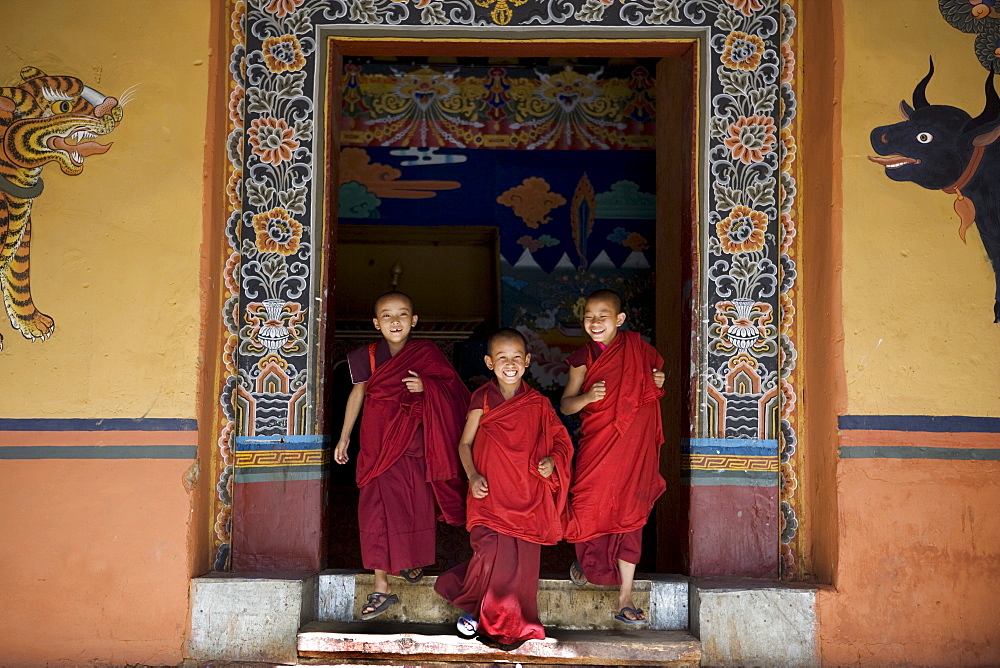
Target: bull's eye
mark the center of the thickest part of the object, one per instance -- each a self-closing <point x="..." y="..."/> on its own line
<point x="925" y="137"/>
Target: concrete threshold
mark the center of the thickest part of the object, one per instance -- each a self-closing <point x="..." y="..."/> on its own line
<point x="397" y="642"/>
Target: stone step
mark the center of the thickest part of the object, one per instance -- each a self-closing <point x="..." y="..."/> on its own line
<point x="406" y="643"/>
<point x="561" y="604"/>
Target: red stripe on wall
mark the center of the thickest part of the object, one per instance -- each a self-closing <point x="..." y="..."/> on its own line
<point x="924" y="439"/>
<point x="57" y="438"/>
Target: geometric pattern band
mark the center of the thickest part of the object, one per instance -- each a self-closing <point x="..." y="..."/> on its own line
<point x="729" y="463"/>
<point x="261" y="458"/>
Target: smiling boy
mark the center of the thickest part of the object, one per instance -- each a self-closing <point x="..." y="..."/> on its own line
<point x="517" y="455"/>
<point x="615" y="380"/>
<point x="413" y="408"/>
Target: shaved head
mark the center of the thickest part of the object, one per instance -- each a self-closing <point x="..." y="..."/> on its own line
<point x="609" y="296"/>
<point x="506" y="334"/>
<point x="393" y="295"/>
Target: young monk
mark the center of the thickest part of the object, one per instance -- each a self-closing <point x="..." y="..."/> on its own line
<point x="616" y="381"/>
<point x="517" y="455"/>
<point x="413" y="408"/>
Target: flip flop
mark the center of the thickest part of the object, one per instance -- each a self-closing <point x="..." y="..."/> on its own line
<point x="635" y="612"/>
<point x="577" y="575"/>
<point x="467" y="626"/>
<point x="380" y="603"/>
<point x="407" y="574"/>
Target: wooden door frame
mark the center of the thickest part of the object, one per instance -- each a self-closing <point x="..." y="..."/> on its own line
<point x="679" y="204"/>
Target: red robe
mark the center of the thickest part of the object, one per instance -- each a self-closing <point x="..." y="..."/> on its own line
<point x="523" y="510"/>
<point x="617" y="475"/>
<point x="409" y="438"/>
<point x="512" y="438"/>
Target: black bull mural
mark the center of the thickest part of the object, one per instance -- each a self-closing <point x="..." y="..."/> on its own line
<point x="944" y="148"/>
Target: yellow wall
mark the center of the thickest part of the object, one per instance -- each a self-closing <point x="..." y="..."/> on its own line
<point x="115" y="250"/>
<point x="98" y="553"/>
<point x="918" y="303"/>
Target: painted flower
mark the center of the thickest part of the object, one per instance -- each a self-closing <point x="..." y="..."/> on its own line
<point x="788" y="480"/>
<point x="229" y="275"/>
<point x="787" y="149"/>
<point x="742" y="231"/>
<point x="788" y="401"/>
<point x="236" y="106"/>
<point x="272" y="140"/>
<point x="225" y="442"/>
<point x="750" y="138"/>
<point x="742" y="51"/>
<point x="233" y="189"/>
<point x="282" y="8"/>
<point x="223" y="523"/>
<point x="283" y="54"/>
<point x="787" y="310"/>
<point x="236" y="21"/>
<point x="787" y="232"/>
<point x="787" y="63"/>
<point x="229" y="355"/>
<point x="787" y="559"/>
<point x="277" y="232"/>
<point x="746" y="7"/>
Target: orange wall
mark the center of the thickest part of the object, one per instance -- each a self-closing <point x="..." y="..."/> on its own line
<point x="94" y="562"/>
<point x="910" y="545"/>
<point x="919" y="570"/>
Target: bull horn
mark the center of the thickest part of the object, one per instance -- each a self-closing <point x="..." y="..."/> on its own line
<point x="920" y="92"/>
<point x="992" y="109"/>
<point x="905" y="110"/>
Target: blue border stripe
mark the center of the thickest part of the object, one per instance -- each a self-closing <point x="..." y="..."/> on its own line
<point x="298" y="442"/>
<point x="99" y="452"/>
<point x="917" y="452"/>
<point x="98" y="424"/>
<point x="730" y="446"/>
<point x="930" y="423"/>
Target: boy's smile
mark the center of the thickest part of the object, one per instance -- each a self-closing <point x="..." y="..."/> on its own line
<point x="508" y="360"/>
<point x="600" y="320"/>
<point x="394" y="318"/>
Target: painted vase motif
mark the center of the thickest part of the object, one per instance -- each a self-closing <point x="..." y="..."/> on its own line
<point x="743" y="333"/>
<point x="273" y="334"/>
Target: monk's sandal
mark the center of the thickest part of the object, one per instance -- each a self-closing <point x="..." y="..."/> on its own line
<point x="379" y="603"/>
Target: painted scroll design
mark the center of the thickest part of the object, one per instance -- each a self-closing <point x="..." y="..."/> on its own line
<point x="793" y="545"/>
<point x="544" y="107"/>
<point x="43" y="119"/>
<point x="751" y="206"/>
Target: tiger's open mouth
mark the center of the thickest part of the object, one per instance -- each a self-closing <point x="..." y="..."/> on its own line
<point x="78" y="149"/>
<point x="894" y="160"/>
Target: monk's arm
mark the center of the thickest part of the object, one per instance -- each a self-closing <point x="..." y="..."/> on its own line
<point x="477" y="483"/>
<point x="354" y="403"/>
<point x="572" y="401"/>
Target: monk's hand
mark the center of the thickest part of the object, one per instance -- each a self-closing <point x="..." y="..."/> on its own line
<point x="413" y="382"/>
<point x="659" y="377"/>
<point x="478" y="487"/>
<point x="596" y="392"/>
<point x="340" y="452"/>
<point x="546" y="466"/>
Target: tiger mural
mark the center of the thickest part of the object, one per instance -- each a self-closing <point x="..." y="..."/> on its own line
<point x="43" y="119"/>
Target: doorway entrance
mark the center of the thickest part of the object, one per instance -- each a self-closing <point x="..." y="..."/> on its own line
<point x="580" y="165"/>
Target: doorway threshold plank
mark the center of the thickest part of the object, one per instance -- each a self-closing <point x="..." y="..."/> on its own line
<point x="438" y="642"/>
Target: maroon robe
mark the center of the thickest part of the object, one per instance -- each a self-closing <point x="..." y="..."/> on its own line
<point x="617" y="477"/>
<point x="408" y="458"/>
<point x="523" y="510"/>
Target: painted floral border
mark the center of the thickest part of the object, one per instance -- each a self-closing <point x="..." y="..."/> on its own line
<point x="749" y="263"/>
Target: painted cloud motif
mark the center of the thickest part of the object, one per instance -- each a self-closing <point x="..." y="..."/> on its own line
<point x="532" y="201"/>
